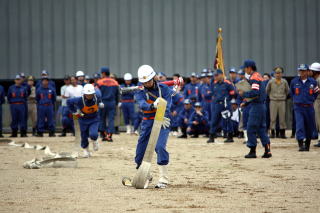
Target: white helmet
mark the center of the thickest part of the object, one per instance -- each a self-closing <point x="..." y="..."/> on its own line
<point x="145" y="73"/>
<point x="88" y="89"/>
<point x="127" y="77"/>
<point x="315" y="67"/>
<point x="79" y="73"/>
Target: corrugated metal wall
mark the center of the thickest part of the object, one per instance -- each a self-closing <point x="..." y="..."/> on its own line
<point x="63" y="36"/>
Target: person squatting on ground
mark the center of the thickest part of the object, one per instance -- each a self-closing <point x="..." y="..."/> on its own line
<point x="198" y="122"/>
<point x="147" y="100"/>
<point x="86" y="108"/>
<point x="257" y="115"/>
<point x="184" y="117"/>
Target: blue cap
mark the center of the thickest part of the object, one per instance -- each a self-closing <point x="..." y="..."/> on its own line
<point x="218" y="71"/>
<point x="96" y="75"/>
<point x="105" y="70"/>
<point x="303" y="67"/>
<point x="187" y="101"/>
<point x="193" y="74"/>
<point x="44" y="77"/>
<point x="161" y="74"/>
<point x="18" y="76"/>
<point x="232" y="70"/>
<point x="241" y="72"/>
<point x="44" y="72"/>
<point x="87" y="77"/>
<point x="249" y="63"/>
<point x="197" y="104"/>
<point x="203" y="75"/>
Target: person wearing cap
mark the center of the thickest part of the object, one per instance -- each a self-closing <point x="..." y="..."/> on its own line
<point x="66" y="119"/>
<point x="198" y="122"/>
<point x="32" y="104"/>
<point x="206" y="96"/>
<point x="2" y="101"/>
<point x="87" y="79"/>
<point x="278" y="90"/>
<point x="304" y="91"/>
<point x="109" y="89"/>
<point x="46" y="98"/>
<point x="222" y="92"/>
<point x="257" y="115"/>
<point x="233" y="78"/>
<point x="148" y="100"/>
<point x="315" y="68"/>
<point x="184" y="117"/>
<point x="96" y="77"/>
<point x="17" y="98"/>
<point x="80" y="77"/>
<point x="86" y="109"/>
<point x="244" y="112"/>
<point x="191" y="90"/>
<point x="235" y="117"/>
<point x="45" y="74"/>
<point x="127" y="103"/>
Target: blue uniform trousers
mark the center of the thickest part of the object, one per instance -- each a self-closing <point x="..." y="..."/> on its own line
<point x="162" y="154"/>
<point x="108" y="112"/>
<point x="46" y="118"/>
<point x="207" y="107"/>
<point x="305" y="121"/>
<point x="1" y="117"/>
<point x="67" y="121"/>
<point x="245" y="116"/>
<point x="128" y="112"/>
<point x="198" y="129"/>
<point x="137" y="120"/>
<point x="89" y="129"/>
<point x="216" y="118"/>
<point x="257" y="125"/>
<point x="18" y="116"/>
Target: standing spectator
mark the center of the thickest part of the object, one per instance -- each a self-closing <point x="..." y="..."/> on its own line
<point x="109" y="94"/>
<point x="80" y="77"/>
<point x="192" y="90"/>
<point x="45" y="74"/>
<point x="304" y="91"/>
<point x="67" y="122"/>
<point x="17" y="98"/>
<point x="2" y="101"/>
<point x="278" y="90"/>
<point x="315" y="68"/>
<point x="32" y="104"/>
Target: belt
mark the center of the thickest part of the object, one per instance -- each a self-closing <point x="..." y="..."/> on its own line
<point x="17" y="103"/>
<point x="304" y="105"/>
<point x="208" y="101"/>
<point x="148" y="118"/>
<point x="127" y="101"/>
<point x="219" y="102"/>
<point x="45" y="104"/>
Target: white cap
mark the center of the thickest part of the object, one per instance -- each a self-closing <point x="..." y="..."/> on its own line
<point x="315" y="67"/>
<point x="88" y="89"/>
<point x="127" y="77"/>
<point x="79" y="73"/>
<point x="145" y="73"/>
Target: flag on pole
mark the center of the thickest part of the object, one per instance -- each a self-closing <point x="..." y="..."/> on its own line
<point x="218" y="62"/>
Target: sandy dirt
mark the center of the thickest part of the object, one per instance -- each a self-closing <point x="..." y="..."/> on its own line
<point x="204" y="178"/>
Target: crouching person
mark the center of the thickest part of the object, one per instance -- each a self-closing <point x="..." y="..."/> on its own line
<point x="184" y="116"/>
<point x="86" y="108"/>
<point x="198" y="122"/>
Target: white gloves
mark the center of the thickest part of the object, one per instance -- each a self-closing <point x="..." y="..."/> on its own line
<point x="77" y="114"/>
<point x="119" y="104"/>
<point x="166" y="123"/>
<point x="226" y="114"/>
<point x="101" y="105"/>
<point x="156" y="102"/>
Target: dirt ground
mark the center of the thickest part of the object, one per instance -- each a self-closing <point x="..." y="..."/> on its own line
<point x="204" y="178"/>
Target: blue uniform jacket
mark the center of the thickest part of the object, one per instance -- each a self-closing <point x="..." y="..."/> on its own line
<point x="17" y="94"/>
<point x="146" y="97"/>
<point x="206" y="95"/>
<point x="304" y="93"/>
<point x="89" y="108"/>
<point x="2" y="95"/>
<point x="46" y="96"/>
<point x="221" y="91"/>
<point x="185" y="114"/>
<point x="127" y="96"/>
<point x="192" y="91"/>
<point x="258" y="90"/>
<point x="51" y="84"/>
<point x="109" y="89"/>
<point x="177" y="103"/>
<point x="203" y="120"/>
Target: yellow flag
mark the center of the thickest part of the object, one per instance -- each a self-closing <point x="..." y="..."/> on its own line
<point x="219" y="62"/>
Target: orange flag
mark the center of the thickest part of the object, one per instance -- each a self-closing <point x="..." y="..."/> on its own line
<point x="219" y="62"/>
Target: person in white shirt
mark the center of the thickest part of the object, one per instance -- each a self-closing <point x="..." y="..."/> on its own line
<point x="66" y="119"/>
<point x="73" y="90"/>
<point x="235" y="117"/>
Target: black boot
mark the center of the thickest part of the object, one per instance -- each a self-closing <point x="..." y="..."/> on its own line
<point x="23" y="134"/>
<point x="34" y="131"/>
<point x="252" y="153"/>
<point x="211" y="138"/>
<point x="267" y="152"/>
<point x="1" y="135"/>
<point x="301" y="146"/>
<point x="273" y="134"/>
<point x="293" y="134"/>
<point x="39" y="134"/>
<point x="184" y="133"/>
<point x="283" y="133"/>
<point x="109" y="137"/>
<point x="307" y="145"/>
<point x="14" y="134"/>
<point x="229" y="138"/>
<point x="116" y="130"/>
<point x="277" y="133"/>
<point x="195" y="136"/>
<point x="241" y="135"/>
<point x="64" y="133"/>
<point x="52" y="134"/>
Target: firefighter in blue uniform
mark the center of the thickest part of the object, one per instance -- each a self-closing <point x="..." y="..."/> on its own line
<point x="86" y="109"/>
<point x="257" y="115"/>
<point x="206" y="95"/>
<point x="198" y="122"/>
<point x="176" y="108"/>
<point x="191" y="90"/>
<point x="222" y="92"/>
<point x="46" y="98"/>
<point x="233" y="77"/>
<point x="17" y="98"/>
<point x="147" y="100"/>
<point x="184" y="117"/>
<point x="45" y="74"/>
<point x="2" y="101"/>
<point x="127" y="103"/>
<point x="109" y="89"/>
<point x="304" y="91"/>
